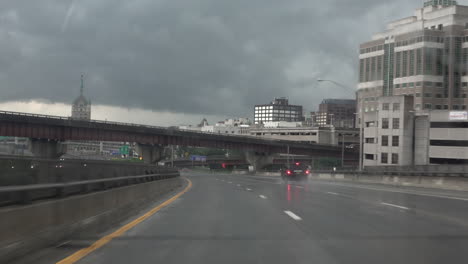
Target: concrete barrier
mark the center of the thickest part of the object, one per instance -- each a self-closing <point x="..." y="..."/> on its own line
<point x="24" y="229"/>
<point x="446" y="182"/>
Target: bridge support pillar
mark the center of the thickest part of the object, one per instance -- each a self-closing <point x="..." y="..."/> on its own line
<point x="44" y="148"/>
<point x="258" y="159"/>
<point x="150" y="153"/>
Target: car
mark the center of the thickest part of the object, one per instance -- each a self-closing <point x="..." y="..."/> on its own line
<point x="295" y="171"/>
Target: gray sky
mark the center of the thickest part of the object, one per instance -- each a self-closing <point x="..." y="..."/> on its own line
<point x="190" y="57"/>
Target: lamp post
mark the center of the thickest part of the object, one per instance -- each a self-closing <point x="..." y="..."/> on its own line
<point x="361" y="120"/>
<point x="335" y="83"/>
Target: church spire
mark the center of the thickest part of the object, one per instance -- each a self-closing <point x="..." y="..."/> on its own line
<point x="82" y="85"/>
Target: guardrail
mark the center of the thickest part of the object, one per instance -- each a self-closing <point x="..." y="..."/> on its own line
<point x="24" y="194"/>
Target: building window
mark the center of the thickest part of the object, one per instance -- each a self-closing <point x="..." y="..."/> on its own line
<point x="394" y="158"/>
<point x="396" y="107"/>
<point x="438" y="107"/>
<point x="455" y="107"/>
<point x="369" y="157"/>
<point x="395" y="141"/>
<point x="419" y="61"/>
<point x="445" y="107"/>
<point x="384" y="141"/>
<point x="370" y="140"/>
<point x="396" y="123"/>
<point x="385" y="123"/>
<point x="385" y="106"/>
<point x="417" y="95"/>
<point x="418" y="84"/>
<point x="438" y="95"/>
<point x="427" y="95"/>
<point x="384" y="158"/>
<point x="427" y="106"/>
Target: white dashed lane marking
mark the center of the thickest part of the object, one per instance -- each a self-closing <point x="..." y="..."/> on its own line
<point x="293" y="215"/>
<point x="396" y="206"/>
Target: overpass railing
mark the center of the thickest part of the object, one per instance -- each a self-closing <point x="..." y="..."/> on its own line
<point x="23" y="194"/>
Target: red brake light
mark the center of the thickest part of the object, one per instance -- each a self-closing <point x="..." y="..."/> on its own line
<point x="307" y="171"/>
<point x="288" y="172"/>
<point x="297" y="163"/>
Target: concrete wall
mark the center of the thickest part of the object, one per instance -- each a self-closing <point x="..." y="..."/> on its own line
<point x="448" y="183"/>
<point x="19" y="171"/>
<point x="27" y="228"/>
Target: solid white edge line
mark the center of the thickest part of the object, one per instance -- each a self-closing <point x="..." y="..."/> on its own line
<point x="333" y="193"/>
<point x="262" y="196"/>
<point x="248" y="189"/>
<point x="293" y="215"/>
<point x="418" y="193"/>
<point x="397" y="206"/>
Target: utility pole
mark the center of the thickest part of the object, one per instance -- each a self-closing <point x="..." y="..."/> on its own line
<point x="172" y="156"/>
<point x="342" y="149"/>
<point x="361" y="135"/>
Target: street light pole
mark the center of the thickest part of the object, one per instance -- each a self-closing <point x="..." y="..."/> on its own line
<point x="335" y="83"/>
<point x="361" y="135"/>
<point x="361" y="121"/>
<point x="342" y="149"/>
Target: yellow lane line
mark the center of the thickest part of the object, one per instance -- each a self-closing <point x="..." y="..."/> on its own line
<point x="106" y="239"/>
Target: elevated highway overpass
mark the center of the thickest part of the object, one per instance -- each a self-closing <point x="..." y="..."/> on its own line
<point x="45" y="133"/>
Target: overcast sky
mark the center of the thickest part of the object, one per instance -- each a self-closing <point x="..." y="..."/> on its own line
<point x="185" y="58"/>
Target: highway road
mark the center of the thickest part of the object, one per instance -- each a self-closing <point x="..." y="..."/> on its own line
<point x="245" y="219"/>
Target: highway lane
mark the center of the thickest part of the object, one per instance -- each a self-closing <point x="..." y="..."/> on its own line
<point x="244" y="219"/>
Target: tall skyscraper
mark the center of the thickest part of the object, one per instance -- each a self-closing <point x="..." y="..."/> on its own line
<point x="81" y="108"/>
<point x="424" y="56"/>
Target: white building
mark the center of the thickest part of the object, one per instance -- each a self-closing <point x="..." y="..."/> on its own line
<point x="396" y="135"/>
<point x="424" y="55"/>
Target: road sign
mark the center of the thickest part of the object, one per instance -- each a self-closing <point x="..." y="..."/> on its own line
<point x="198" y="158"/>
<point x="124" y="150"/>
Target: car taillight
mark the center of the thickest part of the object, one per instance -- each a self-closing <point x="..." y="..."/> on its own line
<point x="307" y="171"/>
<point x="288" y="172"/>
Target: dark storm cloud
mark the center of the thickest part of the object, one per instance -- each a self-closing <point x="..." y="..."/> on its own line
<point x="192" y="56"/>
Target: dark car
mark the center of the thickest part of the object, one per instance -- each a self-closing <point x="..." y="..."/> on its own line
<point x="295" y="171"/>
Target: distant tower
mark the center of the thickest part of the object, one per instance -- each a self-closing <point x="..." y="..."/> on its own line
<point x="81" y="108"/>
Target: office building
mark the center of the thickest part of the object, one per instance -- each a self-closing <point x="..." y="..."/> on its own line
<point x="388" y="133"/>
<point x="396" y="135"/>
<point x="278" y="110"/>
<point x="336" y="113"/>
<point x="81" y="107"/>
<point x="425" y="56"/>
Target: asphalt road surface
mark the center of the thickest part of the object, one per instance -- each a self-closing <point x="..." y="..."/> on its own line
<point x="245" y="219"/>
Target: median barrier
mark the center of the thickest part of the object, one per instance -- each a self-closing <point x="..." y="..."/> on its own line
<point x="425" y="180"/>
<point x="31" y="227"/>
